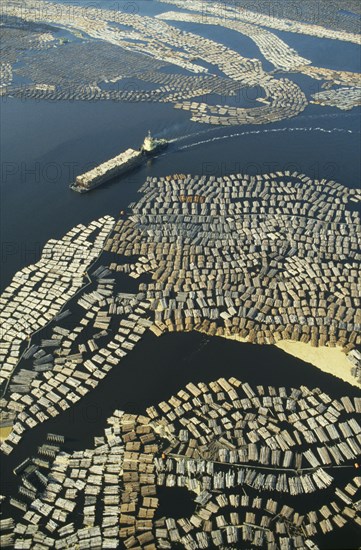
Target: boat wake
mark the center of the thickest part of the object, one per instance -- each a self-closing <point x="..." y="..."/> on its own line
<point x="269" y="131"/>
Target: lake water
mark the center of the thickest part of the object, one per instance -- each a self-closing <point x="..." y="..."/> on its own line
<point x="46" y="144"/>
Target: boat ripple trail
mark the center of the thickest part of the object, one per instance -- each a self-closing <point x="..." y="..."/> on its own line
<point x="269" y="131"/>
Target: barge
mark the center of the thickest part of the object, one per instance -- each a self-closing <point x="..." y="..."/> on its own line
<point x="122" y="163"/>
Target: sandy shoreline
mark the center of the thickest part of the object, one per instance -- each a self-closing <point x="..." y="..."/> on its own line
<point x="330" y="360"/>
<point x="4" y="432"/>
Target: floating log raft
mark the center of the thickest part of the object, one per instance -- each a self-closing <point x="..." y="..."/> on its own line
<point x="239" y="266"/>
<point x="226" y="443"/>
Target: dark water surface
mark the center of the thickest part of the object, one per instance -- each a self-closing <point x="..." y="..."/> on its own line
<point x="45" y="144"/>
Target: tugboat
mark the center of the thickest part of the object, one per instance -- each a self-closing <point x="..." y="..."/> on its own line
<point x="120" y="164"/>
<point x="152" y="145"/>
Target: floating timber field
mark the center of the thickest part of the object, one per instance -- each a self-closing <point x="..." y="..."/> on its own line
<point x="245" y="454"/>
<point x="180" y="348"/>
